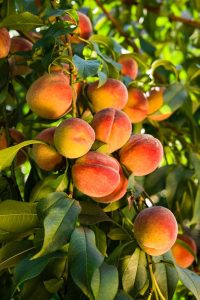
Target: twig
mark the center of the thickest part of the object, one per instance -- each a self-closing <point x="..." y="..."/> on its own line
<point x="128" y="40"/>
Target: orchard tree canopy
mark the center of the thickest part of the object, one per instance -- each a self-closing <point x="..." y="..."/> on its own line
<point x="99" y="149"/>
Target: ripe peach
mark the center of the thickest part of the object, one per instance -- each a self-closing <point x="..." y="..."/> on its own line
<point x="84" y="29"/>
<point x="155" y="229"/>
<point x="4" y="42"/>
<point x="16" y="137"/>
<point x="96" y="174"/>
<point x="112" y="127"/>
<point x="73" y="138"/>
<point x="46" y="156"/>
<point x="182" y="256"/>
<point x="141" y="154"/>
<point x="137" y="105"/>
<point x="50" y="96"/>
<point x="19" y="44"/>
<point x="155" y="100"/>
<point x="118" y="193"/>
<point x="112" y="94"/>
<point x="129" y="66"/>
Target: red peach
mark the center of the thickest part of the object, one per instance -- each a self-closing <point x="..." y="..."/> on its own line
<point x="96" y="174"/>
<point x="155" y="100"/>
<point x="4" y="42"/>
<point x="141" y="154"/>
<point x="129" y="66"/>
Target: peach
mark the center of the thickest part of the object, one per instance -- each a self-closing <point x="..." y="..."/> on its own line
<point x="84" y="28"/>
<point x="112" y="127"/>
<point x="112" y="94"/>
<point x="155" y="100"/>
<point x="17" y="62"/>
<point x="137" y="105"/>
<point x="4" y="42"/>
<point x="182" y="256"/>
<point x="118" y="193"/>
<point x="50" y="96"/>
<point x="96" y="174"/>
<point x="73" y="138"/>
<point x="46" y="156"/>
<point x="16" y="137"/>
<point x="129" y="66"/>
<point x="141" y="154"/>
<point x="155" y="229"/>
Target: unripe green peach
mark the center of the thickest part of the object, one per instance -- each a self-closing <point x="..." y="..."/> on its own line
<point x="155" y="229"/>
<point x="129" y="66"/>
<point x="96" y="174"/>
<point x="112" y="94"/>
<point x="4" y="42"/>
<point x="84" y="29"/>
<point x="50" y="96"/>
<point x="118" y="193"/>
<point x="46" y="156"/>
<point x="137" y="105"/>
<point x="19" y="44"/>
<point x="73" y="138"/>
<point x="141" y="154"/>
<point x="112" y="127"/>
<point x="182" y="256"/>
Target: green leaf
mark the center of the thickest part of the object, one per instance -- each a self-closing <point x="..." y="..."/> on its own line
<point x="135" y="274"/>
<point x="195" y="160"/>
<point x="7" y="155"/>
<point x="84" y="258"/>
<point x="18" y="216"/>
<point x="164" y="63"/>
<point x="102" y="78"/>
<point x="92" y="214"/>
<point x="166" y="275"/>
<point x="50" y="184"/>
<point x="103" y="279"/>
<point x="118" y="234"/>
<point x="86" y="68"/>
<point x="29" y="268"/>
<point x="13" y="252"/>
<point x="191" y="280"/>
<point x="196" y="213"/>
<point x="121" y="295"/>
<point x="101" y="241"/>
<point x="53" y="285"/>
<point x="23" y="21"/>
<point x="59" y="215"/>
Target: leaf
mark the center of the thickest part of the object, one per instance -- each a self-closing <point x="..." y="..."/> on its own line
<point x="103" y="279"/>
<point x="86" y="68"/>
<point x="121" y="295"/>
<point x="164" y="63"/>
<point x="196" y="213"/>
<point x="23" y="21"/>
<point x="7" y="155"/>
<point x="195" y="160"/>
<point x="117" y="234"/>
<point x="84" y="258"/>
<point x="29" y="268"/>
<point x="59" y="215"/>
<point x="102" y="78"/>
<point x="18" y="216"/>
<point x="53" y="285"/>
<point x="101" y="241"/>
<point x="166" y="275"/>
<point x="92" y="214"/>
<point x="135" y="274"/>
<point x="189" y="279"/>
<point x="50" y="184"/>
<point x="13" y="252"/>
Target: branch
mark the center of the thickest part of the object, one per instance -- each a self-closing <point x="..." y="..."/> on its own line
<point x="115" y="23"/>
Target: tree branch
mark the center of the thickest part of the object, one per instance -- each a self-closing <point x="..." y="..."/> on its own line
<point x="128" y="40"/>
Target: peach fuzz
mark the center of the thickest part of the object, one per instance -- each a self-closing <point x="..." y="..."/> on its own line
<point x="118" y="193"/>
<point x="46" y="156"/>
<point x="96" y="174"/>
<point x="137" y="105"/>
<point x="155" y="229"/>
<point x="50" y="96"/>
<point x="112" y="127"/>
<point x="141" y="154"/>
<point x="129" y="66"/>
<point x="112" y="94"/>
<point x="155" y="100"/>
<point x="73" y="138"/>
<point x="20" y="44"/>
<point x="84" y="28"/>
<point x="5" y="42"/>
<point x="182" y="256"/>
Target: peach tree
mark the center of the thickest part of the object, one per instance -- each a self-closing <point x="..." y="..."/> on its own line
<point x="99" y="149"/>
